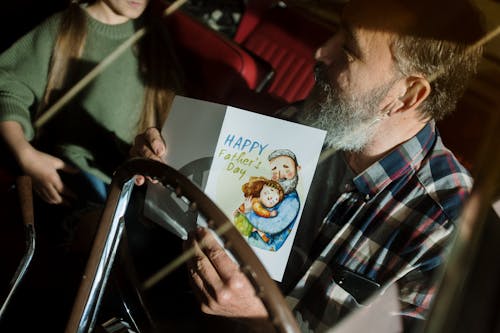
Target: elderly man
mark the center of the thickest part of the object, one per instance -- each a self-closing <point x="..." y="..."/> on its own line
<point x="383" y="205"/>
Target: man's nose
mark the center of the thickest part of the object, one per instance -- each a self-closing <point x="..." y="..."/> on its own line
<point x="321" y="56"/>
<point x="325" y="52"/>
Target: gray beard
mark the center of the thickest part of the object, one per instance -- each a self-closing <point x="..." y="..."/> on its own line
<point x="350" y="122"/>
<point x="289" y="185"/>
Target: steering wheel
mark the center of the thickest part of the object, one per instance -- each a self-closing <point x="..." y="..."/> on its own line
<point x="174" y="209"/>
<point x="111" y="226"/>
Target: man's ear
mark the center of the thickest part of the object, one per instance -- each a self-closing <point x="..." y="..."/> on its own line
<point x="417" y="90"/>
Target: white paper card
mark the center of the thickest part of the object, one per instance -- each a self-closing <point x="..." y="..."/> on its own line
<point x="244" y="147"/>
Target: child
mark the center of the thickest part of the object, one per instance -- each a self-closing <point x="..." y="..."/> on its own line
<point x="93" y="132"/>
<point x="261" y="196"/>
<point x="72" y="157"/>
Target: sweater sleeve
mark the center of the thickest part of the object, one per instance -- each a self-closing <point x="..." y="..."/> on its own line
<point x="23" y="74"/>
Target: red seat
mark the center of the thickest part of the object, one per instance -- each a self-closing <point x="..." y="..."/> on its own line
<point x="287" y="39"/>
<point x="216" y="68"/>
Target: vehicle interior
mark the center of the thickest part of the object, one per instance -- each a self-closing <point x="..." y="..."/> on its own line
<point x="256" y="55"/>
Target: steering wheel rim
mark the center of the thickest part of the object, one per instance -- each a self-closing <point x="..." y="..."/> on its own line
<point x="109" y="233"/>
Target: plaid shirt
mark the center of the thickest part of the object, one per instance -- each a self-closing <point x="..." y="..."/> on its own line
<point x="389" y="224"/>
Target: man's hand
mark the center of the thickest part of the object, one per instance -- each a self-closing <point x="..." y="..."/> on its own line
<point x="149" y="144"/>
<point x="220" y="286"/>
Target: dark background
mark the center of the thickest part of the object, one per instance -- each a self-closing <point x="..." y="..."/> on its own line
<point x="20" y="16"/>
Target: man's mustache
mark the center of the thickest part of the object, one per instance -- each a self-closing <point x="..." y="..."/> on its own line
<point x="320" y="72"/>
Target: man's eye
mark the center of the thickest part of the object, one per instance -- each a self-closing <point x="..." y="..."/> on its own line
<point x="348" y="54"/>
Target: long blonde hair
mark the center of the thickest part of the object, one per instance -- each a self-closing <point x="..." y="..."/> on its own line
<point x="159" y="67"/>
<point x="255" y="185"/>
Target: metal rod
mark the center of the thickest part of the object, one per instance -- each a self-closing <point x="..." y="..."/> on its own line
<point x="25" y="194"/>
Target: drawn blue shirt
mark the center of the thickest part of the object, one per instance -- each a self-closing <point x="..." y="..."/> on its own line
<point x="277" y="228"/>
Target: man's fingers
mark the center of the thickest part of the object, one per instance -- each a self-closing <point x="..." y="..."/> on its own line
<point x="150" y="145"/>
<point x="226" y="268"/>
<point x="205" y="270"/>
<point x="142" y="148"/>
<point x="198" y="287"/>
<point x="139" y="180"/>
<point x="155" y="141"/>
<point x="145" y="152"/>
<point x="148" y="153"/>
<point x="222" y="288"/>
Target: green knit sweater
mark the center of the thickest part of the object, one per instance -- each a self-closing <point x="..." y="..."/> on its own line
<point x="93" y="131"/>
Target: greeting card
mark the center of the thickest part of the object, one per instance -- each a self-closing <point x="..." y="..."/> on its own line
<point x="256" y="168"/>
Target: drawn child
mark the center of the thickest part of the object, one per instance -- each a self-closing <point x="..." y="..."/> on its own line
<point x="261" y="196"/>
<point x="285" y="168"/>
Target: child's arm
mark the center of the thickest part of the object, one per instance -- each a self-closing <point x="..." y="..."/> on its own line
<point x="246" y="205"/>
<point x="259" y="209"/>
<point x="40" y="166"/>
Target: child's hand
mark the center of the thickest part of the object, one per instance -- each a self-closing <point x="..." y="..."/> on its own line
<point x="248" y="204"/>
<point x="273" y="213"/>
<point x="43" y="169"/>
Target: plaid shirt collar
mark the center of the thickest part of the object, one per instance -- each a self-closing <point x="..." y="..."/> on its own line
<point x="405" y="158"/>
